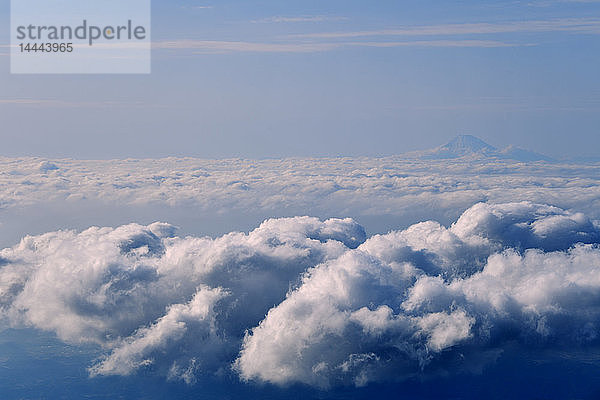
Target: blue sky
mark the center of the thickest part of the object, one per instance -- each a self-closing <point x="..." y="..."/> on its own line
<point x="324" y="78"/>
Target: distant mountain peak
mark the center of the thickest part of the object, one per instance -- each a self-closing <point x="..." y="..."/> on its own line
<point x="470" y="146"/>
<point x="466" y="144"/>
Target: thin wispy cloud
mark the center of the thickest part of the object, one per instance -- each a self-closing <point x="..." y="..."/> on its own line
<point x="572" y="25"/>
<point x="304" y="18"/>
<point x="219" y="46"/>
<point x="547" y="3"/>
<point x="56" y="103"/>
<point x="30" y="102"/>
<point x="216" y="46"/>
<point x="438" y="43"/>
<point x="197" y="7"/>
<point x="328" y="41"/>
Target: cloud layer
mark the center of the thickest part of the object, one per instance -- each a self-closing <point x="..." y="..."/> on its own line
<point x="315" y="302"/>
<point x="393" y="186"/>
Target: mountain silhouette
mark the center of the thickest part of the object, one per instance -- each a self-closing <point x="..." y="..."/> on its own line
<point x="469" y="146"/>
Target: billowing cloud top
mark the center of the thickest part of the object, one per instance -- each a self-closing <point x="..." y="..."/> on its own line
<point x="301" y="300"/>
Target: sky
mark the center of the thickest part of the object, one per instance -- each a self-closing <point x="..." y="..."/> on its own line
<point x="269" y="79"/>
<point x="231" y="252"/>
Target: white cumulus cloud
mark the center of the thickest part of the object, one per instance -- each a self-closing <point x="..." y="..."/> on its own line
<point x="310" y="301"/>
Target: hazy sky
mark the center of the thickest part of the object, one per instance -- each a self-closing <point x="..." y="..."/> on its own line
<point x="274" y="78"/>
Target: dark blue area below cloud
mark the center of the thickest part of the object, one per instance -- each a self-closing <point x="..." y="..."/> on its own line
<point x="34" y="365"/>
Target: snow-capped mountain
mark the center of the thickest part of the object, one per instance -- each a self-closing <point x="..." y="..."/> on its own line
<point x="469" y="146"/>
